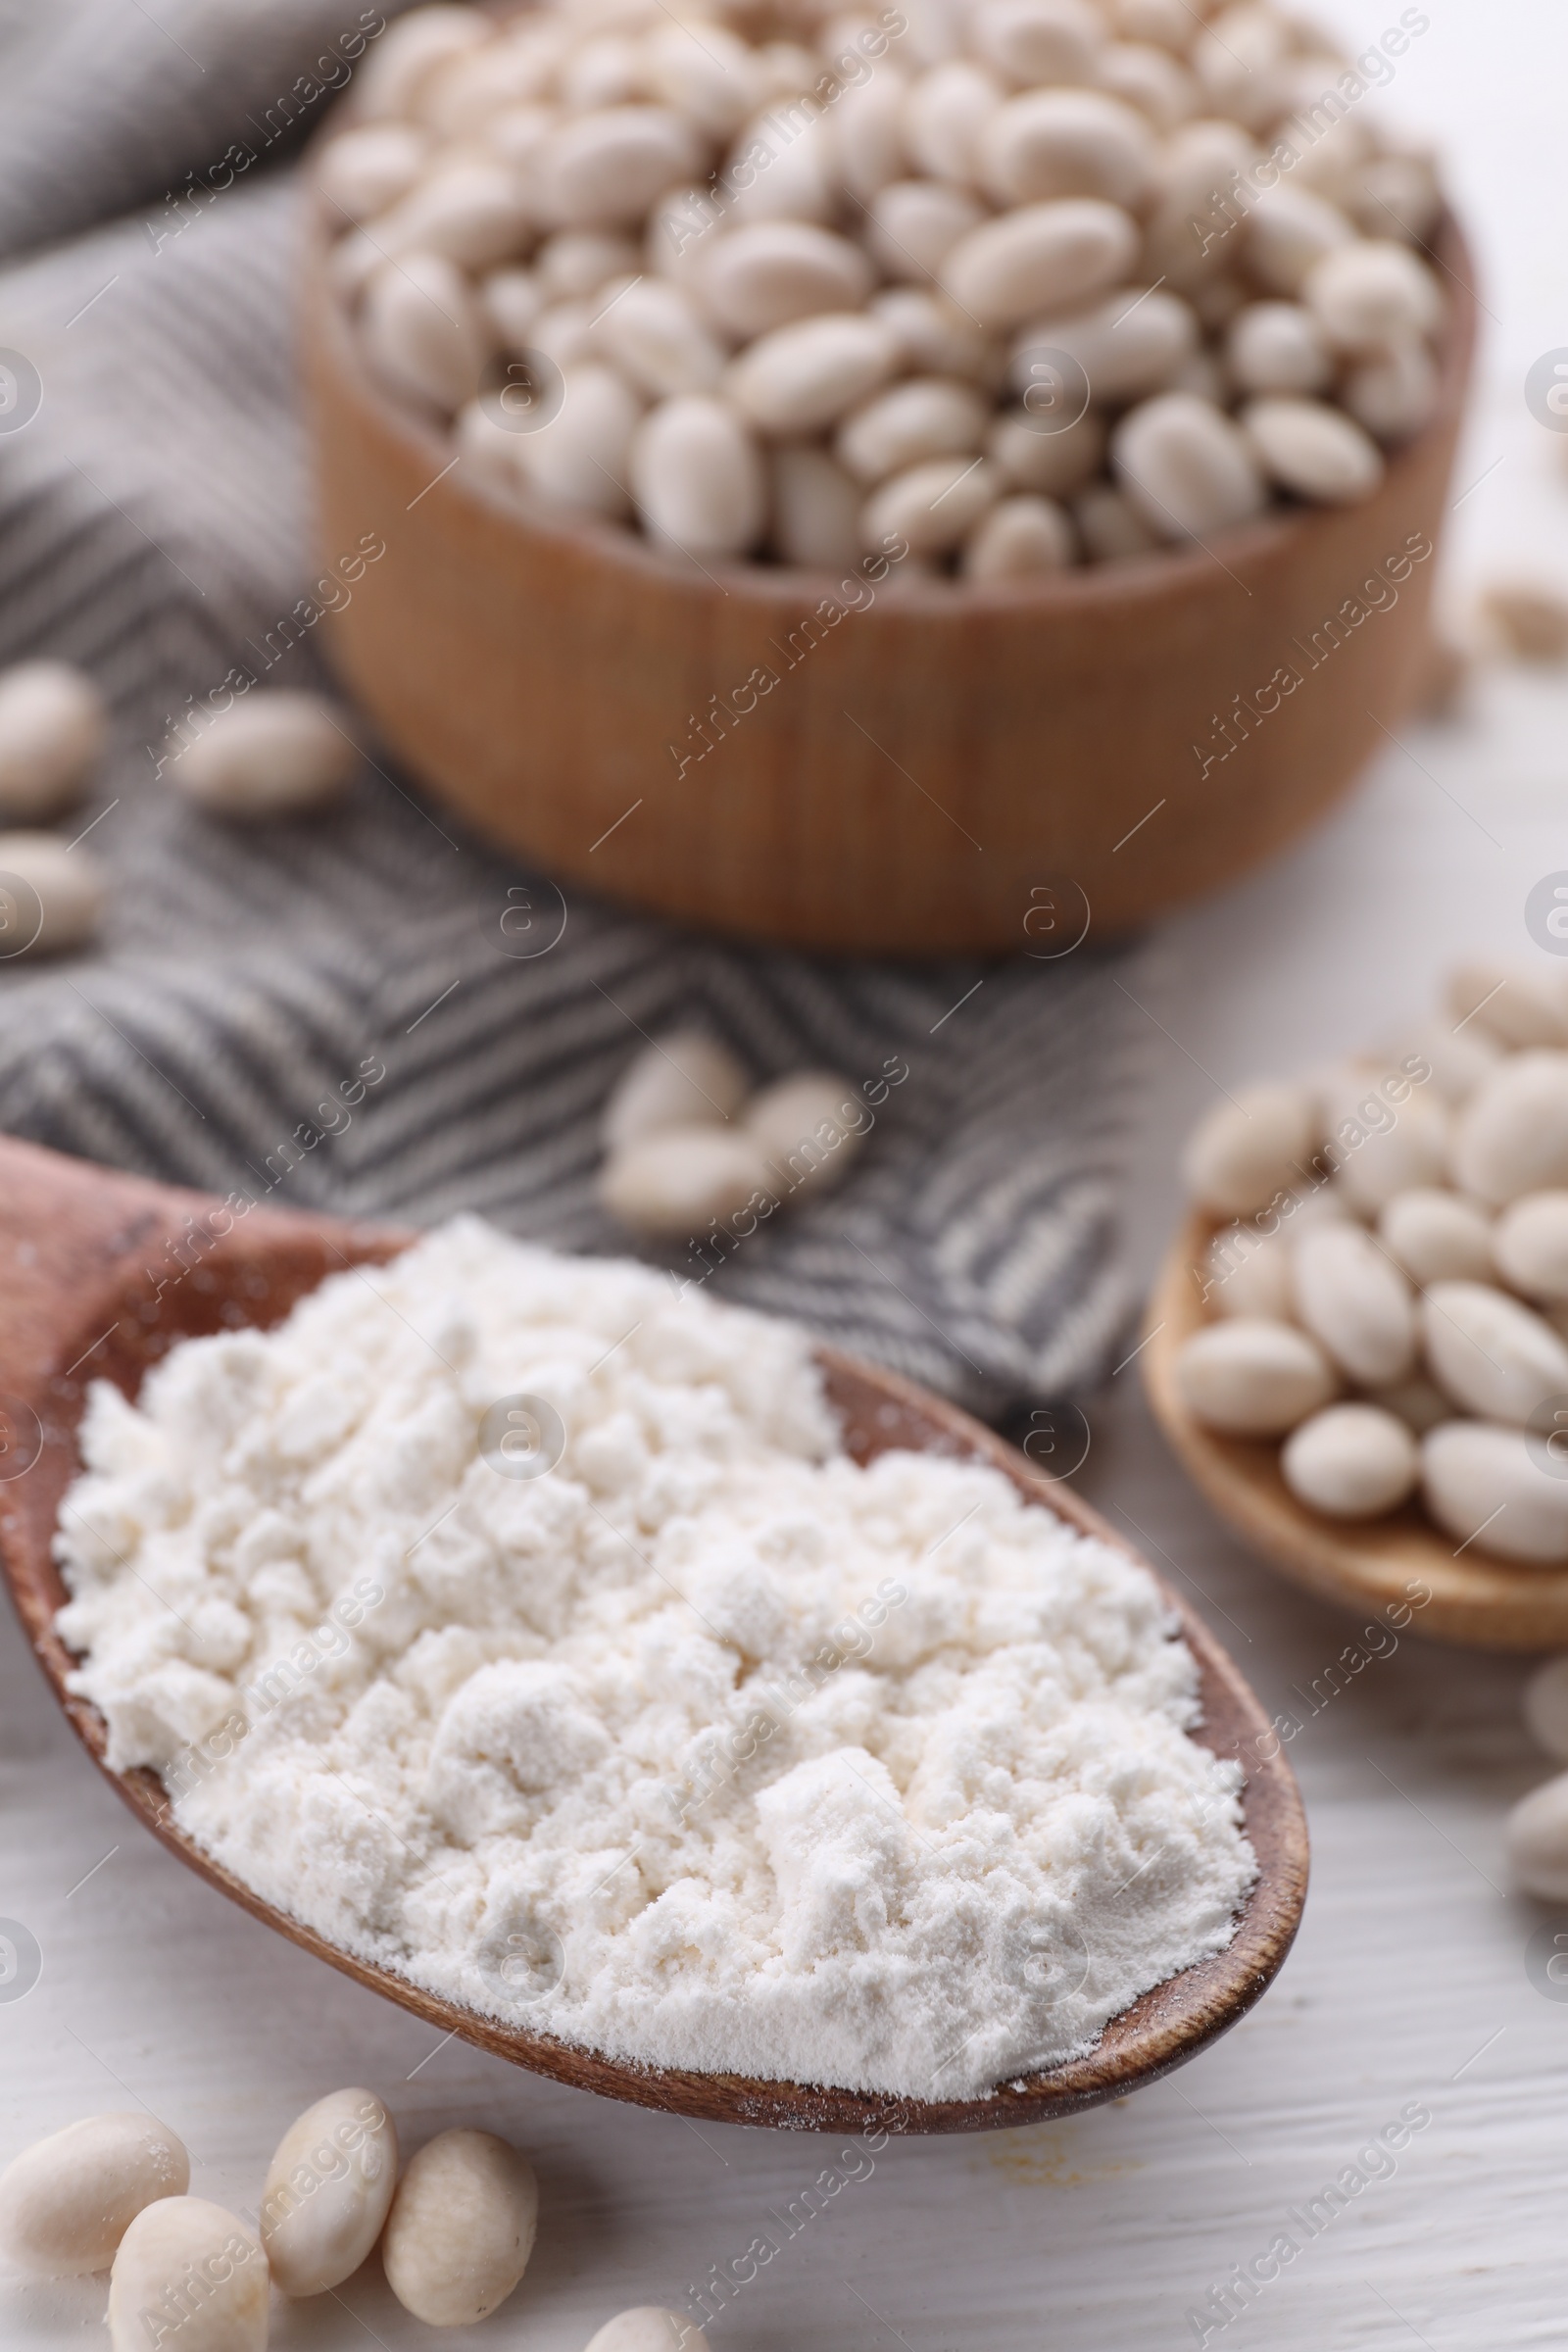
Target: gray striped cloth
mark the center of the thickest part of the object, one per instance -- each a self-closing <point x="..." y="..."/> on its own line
<point x="152" y="527"/>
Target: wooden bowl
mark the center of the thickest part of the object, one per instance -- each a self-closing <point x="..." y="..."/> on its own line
<point x="1471" y="1598"/>
<point x="941" y="772"/>
<point x="94" y="1289"/>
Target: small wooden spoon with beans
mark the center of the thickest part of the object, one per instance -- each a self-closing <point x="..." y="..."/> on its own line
<point x="101" y="1273"/>
<point x="1375" y="1565"/>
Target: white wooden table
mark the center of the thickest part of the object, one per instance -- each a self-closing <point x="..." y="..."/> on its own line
<point x="1409" y="1985"/>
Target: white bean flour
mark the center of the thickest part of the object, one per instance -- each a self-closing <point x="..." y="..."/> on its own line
<point x="706" y="1746"/>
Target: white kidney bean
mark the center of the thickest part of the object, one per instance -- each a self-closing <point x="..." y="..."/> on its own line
<point x="351" y="263"/>
<point x="1529" y="1244"/>
<point x="1248" y="1378"/>
<point x="784" y="70"/>
<point x="677" y="1181"/>
<point x="808" y="1127"/>
<point x="1289" y="231"/>
<point x="913" y="224"/>
<point x="654" y="335"/>
<point x="1020" y="538"/>
<point x="1492" y="1355"/>
<point x="1238" y="59"/>
<point x="796" y="183"/>
<point x="1200" y="158"/>
<point x="1392" y="392"/>
<point x="368" y="170"/>
<point x="1314" y="450"/>
<point x="924" y="417"/>
<point x="1052" y="143"/>
<point x="519" y="135"/>
<point x="275" y="752"/>
<point x="1039" y="41"/>
<point x="1437" y="1237"/>
<point x="52" y="896"/>
<point x="1537" y="1840"/>
<point x="66" y="2201"/>
<point x="1478" y="1477"/>
<point x="607" y="71"/>
<point x="932" y="507"/>
<point x="1509" y="1003"/>
<point x="1354" y="1461"/>
<point x="778" y="271"/>
<point x="865" y="130"/>
<point x="53" y="728"/>
<point x="684" y="1079"/>
<point x="581" y="457"/>
<point x="945" y="114"/>
<point x="1151" y="80"/>
<point x="1184" y="467"/>
<point x="1402" y="189"/>
<point x="649" y="2329"/>
<point x="462" y="97"/>
<point x="772" y="197"/>
<point x="1513" y="1134"/>
<point x="1525" y="620"/>
<point x="1109" y="527"/>
<point x="1326" y="1203"/>
<point x="575" y="263"/>
<point x="328" y="2191"/>
<point x="1128" y="346"/>
<point x="802" y="377"/>
<point x="510" y="302"/>
<point x="194" y="2267"/>
<point x="934" y="336"/>
<point x="1276" y="347"/>
<point x="1167" y="23"/>
<point x="567" y="334"/>
<point x="1053" y="464"/>
<point x="1372" y="293"/>
<point x="1249" y="1149"/>
<point x="1385" y="1148"/>
<point x="409" y="50"/>
<point x="1355" y="1302"/>
<point x="816" y="509"/>
<point x="1039" y="259"/>
<point x="423" y="331"/>
<point x="1458" y="1059"/>
<point x="471" y="211"/>
<point x="521" y="139"/>
<point x="1545" y="1707"/>
<point x="679" y="226"/>
<point x="707" y="75"/>
<point x="697" y="477"/>
<point x="605" y="169"/>
<point x="1248" y="1273"/>
<point x="462" y="2228"/>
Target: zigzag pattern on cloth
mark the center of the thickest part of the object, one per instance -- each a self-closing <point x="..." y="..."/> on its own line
<point x="152" y="526"/>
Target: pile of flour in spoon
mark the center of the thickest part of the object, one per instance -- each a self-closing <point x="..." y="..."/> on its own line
<point x="699" y="1744"/>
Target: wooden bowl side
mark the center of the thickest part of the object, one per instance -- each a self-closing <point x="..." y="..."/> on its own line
<point x="741" y="747"/>
<point x="1401" y="1562"/>
<point x="100" y="1295"/>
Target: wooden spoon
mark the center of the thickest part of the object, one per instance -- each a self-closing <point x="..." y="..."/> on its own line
<point x="102" y="1273"/>
<point x="1473" y="1599"/>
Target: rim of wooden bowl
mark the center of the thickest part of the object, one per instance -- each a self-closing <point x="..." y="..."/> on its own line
<point x="1472" y="1598"/>
<point x="104" y="1231"/>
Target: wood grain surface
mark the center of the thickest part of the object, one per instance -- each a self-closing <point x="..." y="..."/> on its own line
<point x="936" y="770"/>
<point x="98" y="1291"/>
